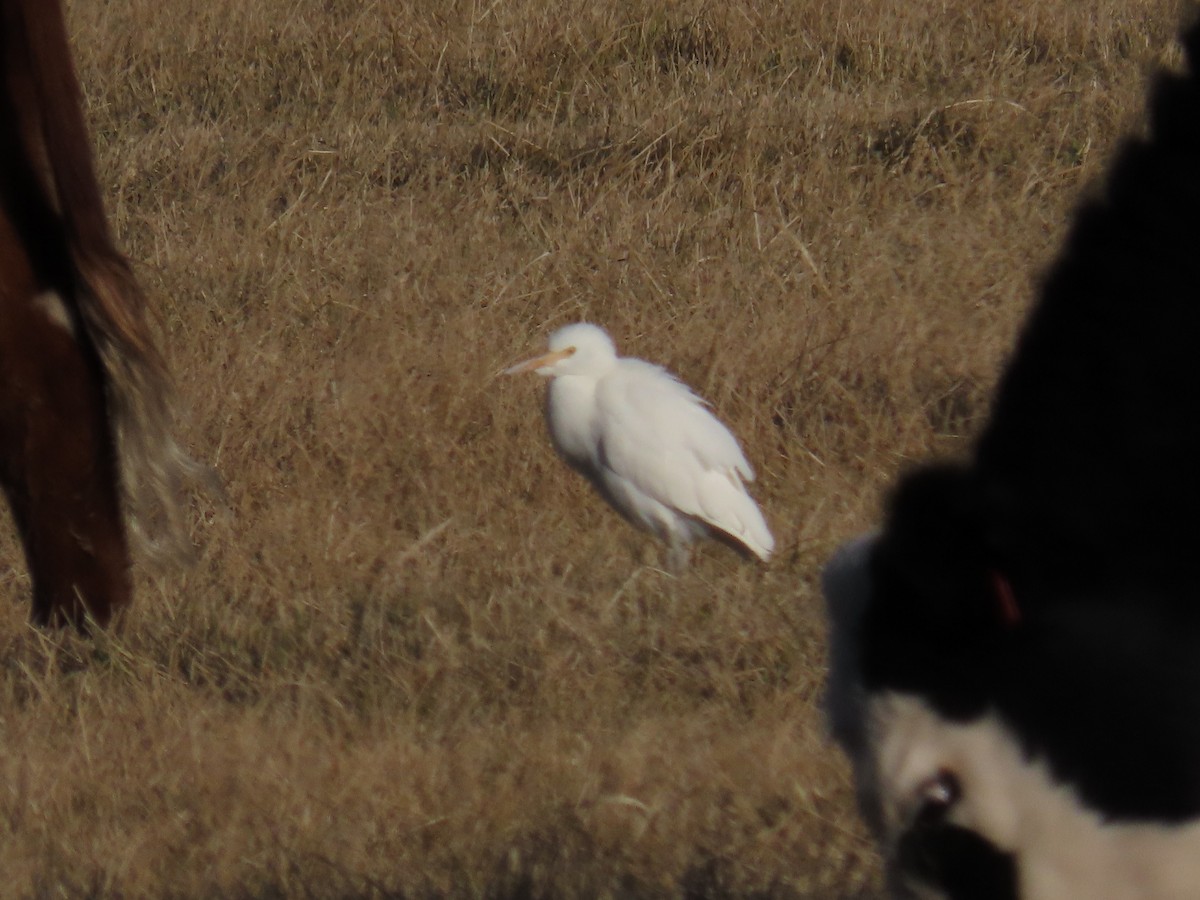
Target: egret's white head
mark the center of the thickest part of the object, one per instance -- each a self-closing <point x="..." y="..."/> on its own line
<point x="579" y="349"/>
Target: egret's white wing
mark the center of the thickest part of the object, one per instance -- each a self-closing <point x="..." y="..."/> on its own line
<point x="658" y="436"/>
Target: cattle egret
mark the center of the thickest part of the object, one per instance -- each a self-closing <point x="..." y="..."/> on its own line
<point x="647" y="444"/>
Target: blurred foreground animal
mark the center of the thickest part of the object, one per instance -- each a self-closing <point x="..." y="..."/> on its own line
<point x="1015" y="659"/>
<point x="647" y="444"/>
<point x="84" y="398"/>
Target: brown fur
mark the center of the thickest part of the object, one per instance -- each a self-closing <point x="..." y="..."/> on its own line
<point x="73" y="388"/>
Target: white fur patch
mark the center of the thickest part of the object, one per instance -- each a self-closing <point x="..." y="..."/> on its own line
<point x="1063" y="849"/>
<point x="55" y="309"/>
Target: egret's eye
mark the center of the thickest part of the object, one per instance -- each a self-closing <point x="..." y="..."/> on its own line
<point x="937" y="796"/>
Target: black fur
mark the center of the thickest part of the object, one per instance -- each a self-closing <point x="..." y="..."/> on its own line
<point x="963" y="864"/>
<point x="1082" y="497"/>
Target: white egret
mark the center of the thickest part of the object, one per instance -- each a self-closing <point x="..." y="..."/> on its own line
<point x="647" y="444"/>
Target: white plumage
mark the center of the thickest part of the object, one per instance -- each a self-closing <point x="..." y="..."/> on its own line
<point x="647" y="443"/>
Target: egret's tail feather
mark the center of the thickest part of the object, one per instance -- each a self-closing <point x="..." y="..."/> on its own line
<point x="727" y="508"/>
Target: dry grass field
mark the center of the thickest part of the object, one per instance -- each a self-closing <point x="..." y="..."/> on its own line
<point x="417" y="657"/>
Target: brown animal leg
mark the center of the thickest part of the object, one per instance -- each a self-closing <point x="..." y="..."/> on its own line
<point x="58" y="467"/>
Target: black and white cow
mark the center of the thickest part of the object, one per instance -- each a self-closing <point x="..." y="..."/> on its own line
<point x="1015" y="657"/>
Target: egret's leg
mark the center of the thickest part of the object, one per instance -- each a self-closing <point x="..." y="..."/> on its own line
<point x="678" y="556"/>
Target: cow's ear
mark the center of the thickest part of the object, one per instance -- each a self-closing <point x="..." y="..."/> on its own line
<point x="936" y="624"/>
<point x="933" y="564"/>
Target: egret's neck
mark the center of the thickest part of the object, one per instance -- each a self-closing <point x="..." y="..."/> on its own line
<point x="571" y="417"/>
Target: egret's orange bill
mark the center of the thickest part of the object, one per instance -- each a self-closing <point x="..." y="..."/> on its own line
<point x="531" y="365"/>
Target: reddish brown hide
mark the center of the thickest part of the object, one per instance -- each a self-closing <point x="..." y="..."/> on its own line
<point x="71" y="320"/>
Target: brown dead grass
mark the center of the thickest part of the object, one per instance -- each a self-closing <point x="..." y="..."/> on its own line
<point x="419" y="658"/>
